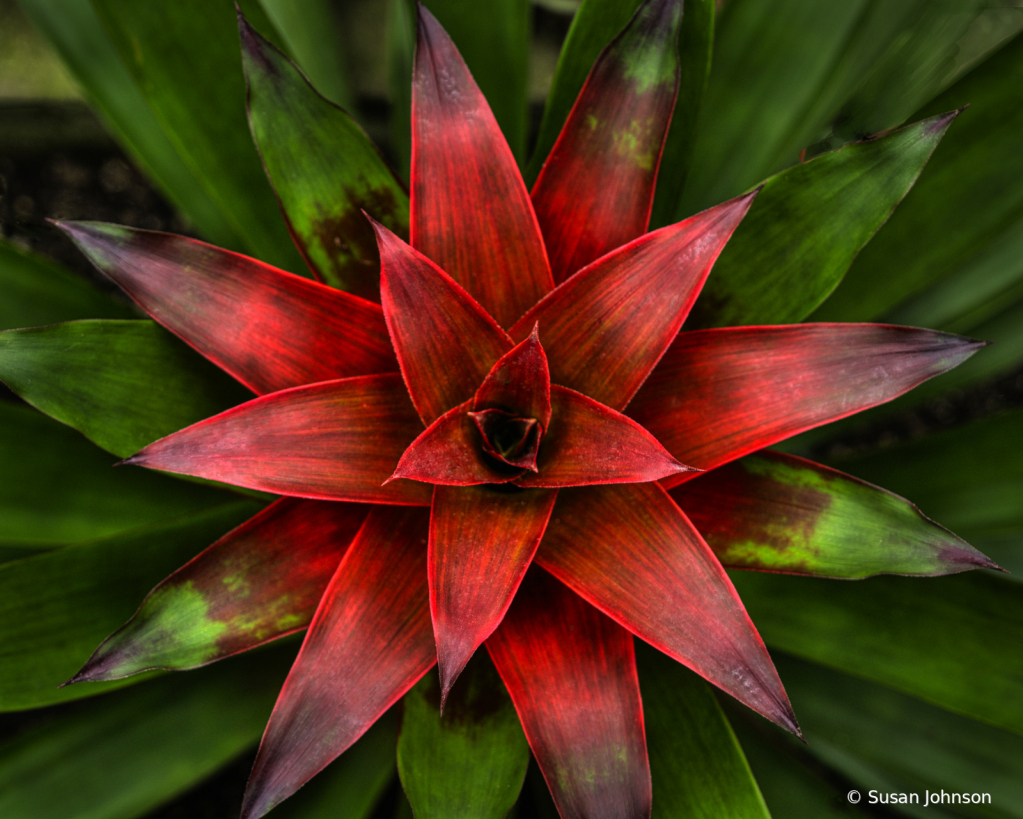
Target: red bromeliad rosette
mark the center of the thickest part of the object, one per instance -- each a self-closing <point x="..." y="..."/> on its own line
<point x="500" y="452"/>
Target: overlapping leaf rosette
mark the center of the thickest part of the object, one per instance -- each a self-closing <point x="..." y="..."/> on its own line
<point x="501" y="440"/>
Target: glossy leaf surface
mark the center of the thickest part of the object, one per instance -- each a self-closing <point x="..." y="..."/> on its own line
<point x="482" y="540"/>
<point x="746" y="388"/>
<point x="587" y="443"/>
<point x="696" y="763"/>
<point x="257" y="583"/>
<point x="460" y="160"/>
<point x="57" y="607"/>
<point x="122" y="384"/>
<point x="927" y="639"/>
<point x="571" y="673"/>
<point x="446" y="351"/>
<point x="185" y="60"/>
<point x="57" y="488"/>
<point x="37" y="291"/>
<point x="469" y="762"/>
<point x="75" y="30"/>
<point x="123" y="756"/>
<point x="337" y="440"/>
<point x="324" y="169"/>
<point x="965" y="198"/>
<point x="779" y="513"/>
<point x="358" y="657"/>
<point x="596" y="189"/>
<point x="520" y="382"/>
<point x="605" y="329"/>
<point x="649" y="569"/>
<point x="808" y="224"/>
<point x="267" y="328"/>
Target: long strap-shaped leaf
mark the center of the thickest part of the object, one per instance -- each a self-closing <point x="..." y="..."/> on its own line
<point x="596" y="189"/>
<point x="606" y="327"/>
<point x="571" y="673"/>
<point x="360" y="655"/>
<point x="337" y="440"/>
<point x="482" y="540"/>
<point x="269" y="329"/>
<point x="324" y="169"/>
<point x="471" y="212"/>
<point x="259" y="582"/>
<point x="720" y="394"/>
<point x="780" y="513"/>
<point x="631" y="552"/>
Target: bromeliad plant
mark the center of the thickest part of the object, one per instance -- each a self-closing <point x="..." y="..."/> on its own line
<point x="518" y="449"/>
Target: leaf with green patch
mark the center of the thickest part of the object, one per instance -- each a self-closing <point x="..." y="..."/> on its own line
<point x="887" y="741"/>
<point x="807" y="225"/>
<point x="695" y="44"/>
<point x="123" y="384"/>
<point x="469" y="761"/>
<point x="966" y="198"/>
<point x="37" y="291"/>
<point x="55" y="608"/>
<point x="76" y="32"/>
<point x="122" y="756"/>
<point x="493" y="39"/>
<point x="185" y="59"/>
<point x="943" y="640"/>
<point x="696" y="764"/>
<point x="779" y="513"/>
<point x="324" y="168"/>
<point x="57" y="488"/>
<point x="257" y="583"/>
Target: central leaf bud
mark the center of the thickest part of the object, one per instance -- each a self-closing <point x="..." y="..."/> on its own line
<point x="508" y="438"/>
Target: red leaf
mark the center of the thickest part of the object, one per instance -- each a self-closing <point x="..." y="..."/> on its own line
<point x="633" y="554"/>
<point x="482" y="540"/>
<point x="571" y="673"/>
<point x="596" y="189"/>
<point x="257" y="583"/>
<point x="519" y="383"/>
<point x="338" y="440"/>
<point x="362" y="653"/>
<point x="471" y="212"/>
<point x="449" y="454"/>
<point x="269" y="329"/>
<point x="606" y="327"/>
<point x="720" y="394"/>
<point x="446" y="342"/>
<point x="587" y="443"/>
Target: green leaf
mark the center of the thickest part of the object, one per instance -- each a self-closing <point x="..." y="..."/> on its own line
<point x="185" y="59"/>
<point x="788" y="73"/>
<point x="57" y="488"/>
<point x="493" y="39"/>
<point x="969" y="195"/>
<point x="969" y="477"/>
<point x="76" y="32"/>
<point x="37" y="291"/>
<point x="121" y="756"/>
<point x="55" y="608"/>
<point x="806" y="227"/>
<point x="886" y="741"/>
<point x="309" y="28"/>
<point x="594" y="26"/>
<point x="943" y="639"/>
<point x="123" y="384"/>
<point x="325" y="170"/>
<point x="401" y="44"/>
<point x="471" y="761"/>
<point x="695" y="44"/>
<point x="696" y="764"/>
<point x="777" y="513"/>
<point x="351" y="785"/>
